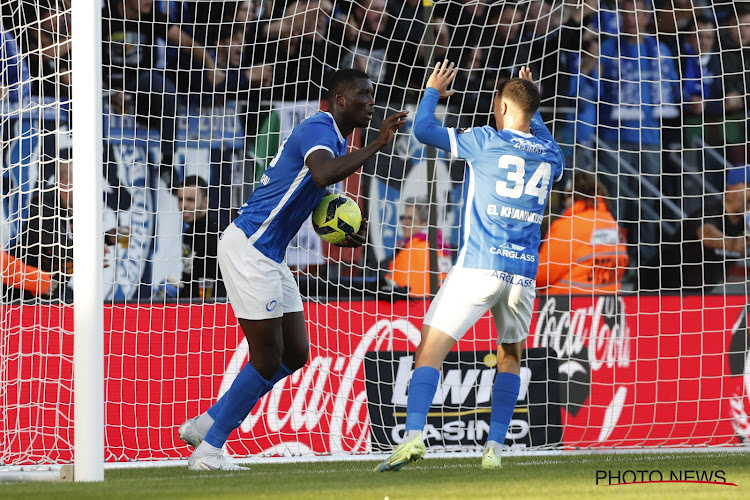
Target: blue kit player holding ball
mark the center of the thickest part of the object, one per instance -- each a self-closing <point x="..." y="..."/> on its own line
<point x="260" y="286"/>
<point x="508" y="179"/>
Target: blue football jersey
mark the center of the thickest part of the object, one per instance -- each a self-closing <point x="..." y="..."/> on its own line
<point x="287" y="194"/>
<point x="508" y="180"/>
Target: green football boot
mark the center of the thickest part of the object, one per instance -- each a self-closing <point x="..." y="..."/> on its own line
<point x="410" y="451"/>
<point x="490" y="460"/>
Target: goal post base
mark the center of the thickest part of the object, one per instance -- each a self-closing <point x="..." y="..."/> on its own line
<point x="43" y="473"/>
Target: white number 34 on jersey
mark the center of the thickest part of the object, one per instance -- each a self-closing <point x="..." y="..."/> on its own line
<point x="516" y="185"/>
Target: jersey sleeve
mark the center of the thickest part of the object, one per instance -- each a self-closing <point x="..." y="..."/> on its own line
<point x="466" y="143"/>
<point x="425" y="129"/>
<point x="540" y="131"/>
<point x="318" y="136"/>
<point x="559" y="166"/>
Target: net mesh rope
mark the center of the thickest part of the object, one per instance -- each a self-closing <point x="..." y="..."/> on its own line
<point x="647" y="97"/>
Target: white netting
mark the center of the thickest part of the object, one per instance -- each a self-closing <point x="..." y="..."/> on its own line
<point x="650" y="96"/>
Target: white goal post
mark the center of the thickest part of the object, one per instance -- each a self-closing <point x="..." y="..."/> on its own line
<point x="88" y="246"/>
<point x="114" y="322"/>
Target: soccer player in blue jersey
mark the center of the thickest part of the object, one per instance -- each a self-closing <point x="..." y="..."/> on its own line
<point x="508" y="180"/>
<point x="260" y="286"/>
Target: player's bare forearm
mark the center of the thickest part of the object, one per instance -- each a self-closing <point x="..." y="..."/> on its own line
<point x="713" y="237"/>
<point x="326" y="169"/>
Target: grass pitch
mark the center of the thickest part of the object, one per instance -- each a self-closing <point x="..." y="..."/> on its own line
<point x="567" y="476"/>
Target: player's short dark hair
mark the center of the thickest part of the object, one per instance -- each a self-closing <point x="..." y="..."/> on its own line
<point x="196" y="181"/>
<point x="523" y="94"/>
<point x="343" y="79"/>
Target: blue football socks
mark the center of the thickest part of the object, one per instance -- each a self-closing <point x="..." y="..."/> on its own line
<point x="239" y="400"/>
<point x="422" y="388"/>
<point x="504" y="396"/>
<point x="280" y="374"/>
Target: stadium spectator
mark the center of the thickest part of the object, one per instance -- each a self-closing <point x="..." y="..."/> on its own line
<point x="548" y="40"/>
<point x="411" y="266"/>
<point x="46" y="238"/>
<point x="48" y="49"/>
<point x="200" y="237"/>
<point x="409" y="51"/>
<point x="298" y="45"/>
<point x="246" y="11"/>
<point x="606" y="19"/>
<point x="582" y="253"/>
<point x="734" y="41"/>
<point x="480" y="84"/>
<point x="240" y="78"/>
<point x="15" y="81"/>
<point x="713" y="87"/>
<point x="497" y="262"/>
<point x="260" y="286"/>
<point x="203" y="19"/>
<point x="19" y="275"/>
<point x="583" y="95"/>
<point x="131" y="33"/>
<point x="639" y="87"/>
<point x="466" y="21"/>
<point x="709" y="242"/>
<point x="557" y="45"/>
<point x="502" y="35"/>
<point x="367" y="34"/>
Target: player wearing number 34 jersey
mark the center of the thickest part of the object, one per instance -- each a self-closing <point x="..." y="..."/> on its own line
<point x="509" y="174"/>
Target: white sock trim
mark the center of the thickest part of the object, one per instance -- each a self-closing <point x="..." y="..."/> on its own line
<point x="205" y="449"/>
<point x="498" y="447"/>
<point x="409" y="435"/>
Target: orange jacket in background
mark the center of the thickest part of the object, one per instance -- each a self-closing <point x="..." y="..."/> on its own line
<point x="582" y="253"/>
<point x="17" y="274"/>
<point x="411" y="267"/>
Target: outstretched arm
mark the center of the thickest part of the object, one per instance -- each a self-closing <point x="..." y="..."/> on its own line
<point x="425" y="129"/>
<point x="326" y="169"/>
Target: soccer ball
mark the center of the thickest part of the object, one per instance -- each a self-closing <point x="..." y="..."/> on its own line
<point x="335" y="217"/>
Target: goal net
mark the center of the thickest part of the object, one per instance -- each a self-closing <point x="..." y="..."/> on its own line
<point x="639" y="334"/>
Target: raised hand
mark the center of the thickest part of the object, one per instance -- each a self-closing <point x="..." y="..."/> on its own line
<point x="390" y="125"/>
<point x="525" y="74"/>
<point x="442" y="76"/>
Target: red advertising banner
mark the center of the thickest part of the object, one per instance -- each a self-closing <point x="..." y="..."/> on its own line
<point x="649" y="371"/>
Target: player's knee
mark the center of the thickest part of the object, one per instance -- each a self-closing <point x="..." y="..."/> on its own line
<point x="266" y="359"/>
<point x="509" y="357"/>
<point x="296" y="356"/>
<point x="267" y="367"/>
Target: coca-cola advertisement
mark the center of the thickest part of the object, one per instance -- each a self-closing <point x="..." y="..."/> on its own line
<point x="738" y="359"/>
<point x="649" y="371"/>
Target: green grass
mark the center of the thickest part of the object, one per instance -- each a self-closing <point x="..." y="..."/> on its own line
<point x="568" y="476"/>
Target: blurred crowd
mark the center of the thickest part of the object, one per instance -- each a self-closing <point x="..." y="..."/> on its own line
<point x="648" y="95"/>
